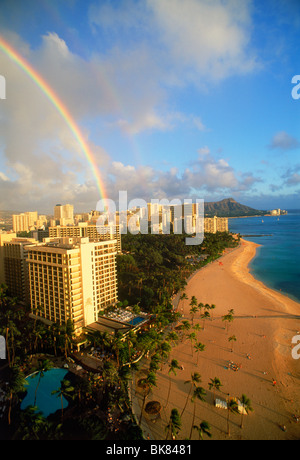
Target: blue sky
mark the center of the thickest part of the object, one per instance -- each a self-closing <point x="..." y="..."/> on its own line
<point x="177" y="99"/>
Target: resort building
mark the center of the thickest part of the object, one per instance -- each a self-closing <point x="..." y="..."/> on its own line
<point x="4" y="237"/>
<point x="93" y="232"/>
<point x="215" y="224"/>
<point x="72" y="278"/>
<point x="15" y="253"/>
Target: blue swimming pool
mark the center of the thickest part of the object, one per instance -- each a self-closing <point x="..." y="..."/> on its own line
<point x="46" y="402"/>
<point x="136" y="320"/>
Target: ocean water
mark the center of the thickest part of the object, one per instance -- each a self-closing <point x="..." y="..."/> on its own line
<point x="277" y="262"/>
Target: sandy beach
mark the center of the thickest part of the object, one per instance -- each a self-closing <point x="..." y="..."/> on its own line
<point x="264" y="323"/>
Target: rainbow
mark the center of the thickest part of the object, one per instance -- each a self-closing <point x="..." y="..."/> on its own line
<point x="58" y="104"/>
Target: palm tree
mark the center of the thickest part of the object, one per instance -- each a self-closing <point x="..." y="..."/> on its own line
<point x="246" y="403"/>
<point x="164" y="349"/>
<point x="200" y="306"/>
<point x="186" y="326"/>
<point x="193" y="301"/>
<point x="212" y="307"/>
<point x="232" y="408"/>
<point x="16" y="385"/>
<point x="183" y="297"/>
<point x="195" y="378"/>
<point x="174" y="424"/>
<point x="216" y="385"/>
<point x="173" y="367"/>
<point x="172" y="337"/>
<point x="117" y="345"/>
<point x="192" y="337"/>
<point x="148" y="383"/>
<point x="197" y="327"/>
<point x="32" y="423"/>
<point x="67" y="330"/>
<point x="228" y="318"/>
<point x="193" y="311"/>
<point x="203" y="428"/>
<point x="65" y="390"/>
<point x="205" y="316"/>
<point x="199" y="393"/>
<point x="199" y="347"/>
<point x="43" y="366"/>
<point x="232" y="339"/>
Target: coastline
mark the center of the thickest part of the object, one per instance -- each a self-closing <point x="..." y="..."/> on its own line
<point x="264" y="323"/>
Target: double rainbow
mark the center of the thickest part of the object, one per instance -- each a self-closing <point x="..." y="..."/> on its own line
<point x="59" y="105"/>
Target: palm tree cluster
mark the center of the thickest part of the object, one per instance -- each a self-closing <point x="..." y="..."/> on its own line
<point x="25" y="336"/>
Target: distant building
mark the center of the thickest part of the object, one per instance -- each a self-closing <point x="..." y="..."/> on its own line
<point x="20" y="223"/>
<point x="215" y="224"/>
<point x="64" y="214"/>
<point x="25" y="221"/>
<point x="277" y="212"/>
<point x="40" y="234"/>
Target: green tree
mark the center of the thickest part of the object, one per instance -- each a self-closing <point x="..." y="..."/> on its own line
<point x="174" y="424"/>
<point x="215" y="384"/>
<point x="43" y="366"/>
<point x="16" y="385"/>
<point x="195" y="378"/>
<point x="205" y="316"/>
<point x="232" y="339"/>
<point x="32" y="424"/>
<point x="173" y="367"/>
<point x="148" y="383"/>
<point x="203" y="429"/>
<point x="192" y="337"/>
<point x="65" y="390"/>
<point x="183" y="297"/>
<point x="185" y="326"/>
<point x="246" y="404"/>
<point x="199" y="347"/>
<point x="199" y="394"/>
<point x="232" y="408"/>
<point x="228" y="319"/>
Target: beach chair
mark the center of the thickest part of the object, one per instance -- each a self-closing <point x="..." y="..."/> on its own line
<point x="220" y="403"/>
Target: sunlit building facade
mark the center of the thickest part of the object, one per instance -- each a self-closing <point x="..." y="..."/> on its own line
<point x="72" y="278"/>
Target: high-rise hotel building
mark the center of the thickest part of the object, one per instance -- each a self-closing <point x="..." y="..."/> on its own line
<point x="14" y="253"/>
<point x="72" y="278"/>
<point x="93" y="232"/>
<point x="215" y="224"/>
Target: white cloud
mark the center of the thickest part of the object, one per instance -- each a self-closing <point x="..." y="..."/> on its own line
<point x="3" y="177"/>
<point x="206" y="38"/>
<point x="284" y="141"/>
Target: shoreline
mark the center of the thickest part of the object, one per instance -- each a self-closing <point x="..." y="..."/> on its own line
<point x="264" y="323"/>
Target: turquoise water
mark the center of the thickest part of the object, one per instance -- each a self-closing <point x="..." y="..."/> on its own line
<point x="46" y="402"/>
<point x="277" y="262"/>
<point x="136" y="320"/>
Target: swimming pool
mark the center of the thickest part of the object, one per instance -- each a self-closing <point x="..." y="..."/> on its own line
<point x="46" y="402"/>
<point x="136" y="320"/>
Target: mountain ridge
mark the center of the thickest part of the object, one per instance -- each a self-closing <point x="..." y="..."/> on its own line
<point x="229" y="207"/>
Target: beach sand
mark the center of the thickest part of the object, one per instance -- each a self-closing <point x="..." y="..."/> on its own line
<point x="264" y="323"/>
